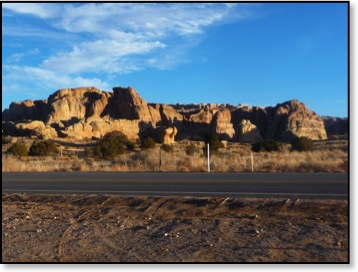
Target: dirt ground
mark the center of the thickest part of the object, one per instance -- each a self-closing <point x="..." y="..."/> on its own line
<point x="104" y="228"/>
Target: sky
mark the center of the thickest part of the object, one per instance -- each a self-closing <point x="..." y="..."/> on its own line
<point x="259" y="54"/>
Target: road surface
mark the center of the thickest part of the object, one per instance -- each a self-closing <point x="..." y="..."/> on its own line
<point x="290" y="185"/>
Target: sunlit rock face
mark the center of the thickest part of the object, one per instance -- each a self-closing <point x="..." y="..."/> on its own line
<point x="89" y="112"/>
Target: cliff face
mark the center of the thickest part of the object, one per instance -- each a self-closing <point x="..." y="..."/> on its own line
<point x="335" y="125"/>
<point x="89" y="112"/>
<point x="294" y="119"/>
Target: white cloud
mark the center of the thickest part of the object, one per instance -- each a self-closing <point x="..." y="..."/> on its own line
<point x="153" y="20"/>
<point x="98" y="57"/>
<point x="41" y="10"/>
<point x="49" y="79"/>
<point x="108" y="38"/>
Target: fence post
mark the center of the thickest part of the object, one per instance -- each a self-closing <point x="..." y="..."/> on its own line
<point x="252" y="163"/>
<point x="208" y="152"/>
<point x="160" y="157"/>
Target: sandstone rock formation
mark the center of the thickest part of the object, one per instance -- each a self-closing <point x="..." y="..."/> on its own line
<point x="127" y="104"/>
<point x="169" y="115"/>
<point x="222" y="126"/>
<point x="89" y="112"/>
<point x="71" y="105"/>
<point x="248" y="132"/>
<point x="165" y="135"/>
<point x="35" y="128"/>
<point x="27" y="109"/>
<point x="293" y="119"/>
<point x="283" y="122"/>
<point x="203" y="116"/>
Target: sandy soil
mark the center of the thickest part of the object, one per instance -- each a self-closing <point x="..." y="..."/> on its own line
<point x="97" y="228"/>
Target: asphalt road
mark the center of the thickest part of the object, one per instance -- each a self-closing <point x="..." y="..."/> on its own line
<point x="290" y="185"/>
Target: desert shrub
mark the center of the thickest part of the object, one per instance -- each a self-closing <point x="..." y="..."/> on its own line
<point x="130" y="145"/>
<point x="214" y="144"/>
<point x="302" y="144"/>
<point x="266" y="146"/>
<point x="89" y="151"/>
<point x="41" y="148"/>
<point x="147" y="143"/>
<point x="191" y="149"/>
<point x="6" y="139"/>
<point x="18" y="149"/>
<point x="167" y="148"/>
<point x="111" y="145"/>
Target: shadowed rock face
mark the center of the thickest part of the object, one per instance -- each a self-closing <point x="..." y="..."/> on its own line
<point x="27" y="109"/>
<point x="89" y="112"/>
<point x="164" y="135"/>
<point x="283" y="122"/>
<point x="335" y="125"/>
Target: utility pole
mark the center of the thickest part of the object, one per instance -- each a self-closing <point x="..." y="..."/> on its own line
<point x="208" y="152"/>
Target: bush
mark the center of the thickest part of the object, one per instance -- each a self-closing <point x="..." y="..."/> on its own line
<point x="6" y="139"/>
<point x="302" y="144"/>
<point x="130" y="146"/>
<point x="89" y="151"/>
<point x="18" y="149"/>
<point x="167" y="148"/>
<point x="191" y="149"/>
<point x="42" y="148"/>
<point x="147" y="143"/>
<point x="266" y="146"/>
<point x="214" y="144"/>
<point x="111" y="145"/>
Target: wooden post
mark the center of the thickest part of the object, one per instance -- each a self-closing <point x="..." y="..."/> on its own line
<point x="208" y="152"/>
<point x="252" y="163"/>
<point x="160" y="157"/>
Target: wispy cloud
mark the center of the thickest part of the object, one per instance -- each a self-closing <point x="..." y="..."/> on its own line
<point x="16" y="57"/>
<point x="41" y="10"/>
<point x="47" y="78"/>
<point x="110" y="38"/>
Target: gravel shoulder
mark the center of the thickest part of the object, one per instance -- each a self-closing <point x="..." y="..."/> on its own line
<point x="106" y="228"/>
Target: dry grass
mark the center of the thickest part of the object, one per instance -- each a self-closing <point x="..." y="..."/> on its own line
<point x="329" y="156"/>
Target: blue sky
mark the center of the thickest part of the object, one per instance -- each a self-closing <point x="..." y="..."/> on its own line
<point x="254" y="53"/>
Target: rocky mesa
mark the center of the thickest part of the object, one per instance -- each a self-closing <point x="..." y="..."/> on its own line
<point x="88" y="112"/>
